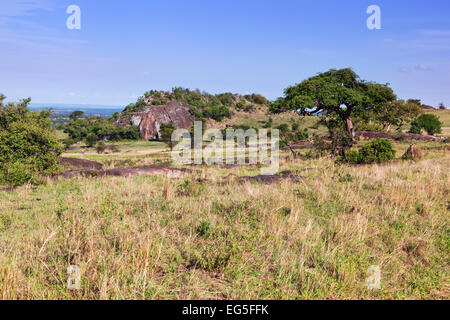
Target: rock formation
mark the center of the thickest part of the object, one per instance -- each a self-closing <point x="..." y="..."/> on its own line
<point x="412" y="153"/>
<point x="150" y="118"/>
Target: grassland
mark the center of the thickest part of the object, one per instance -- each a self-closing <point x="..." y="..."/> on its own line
<point x="150" y="237"/>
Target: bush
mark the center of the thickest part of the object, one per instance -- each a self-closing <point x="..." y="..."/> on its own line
<point x="100" y="147"/>
<point x="429" y="122"/>
<point x="415" y="128"/>
<point x="91" y="139"/>
<point x="29" y="148"/>
<point x="378" y="151"/>
<point x="352" y="156"/>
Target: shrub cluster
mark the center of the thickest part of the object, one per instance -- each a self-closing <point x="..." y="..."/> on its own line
<point x="29" y="148"/>
<point x="92" y="130"/>
<point x="378" y="151"/>
<point x="428" y="122"/>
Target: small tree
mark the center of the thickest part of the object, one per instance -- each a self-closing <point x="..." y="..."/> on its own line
<point x="28" y="144"/>
<point x="76" y="115"/>
<point x="442" y="106"/>
<point x="2" y="97"/>
<point x="429" y="122"/>
<point x="91" y="139"/>
<point x="100" y="147"/>
<point x="165" y="132"/>
<point x="398" y="113"/>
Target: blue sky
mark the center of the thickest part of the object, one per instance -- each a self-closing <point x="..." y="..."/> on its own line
<point x="127" y="47"/>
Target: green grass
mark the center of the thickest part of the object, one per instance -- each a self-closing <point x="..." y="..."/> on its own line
<point x="150" y="237"/>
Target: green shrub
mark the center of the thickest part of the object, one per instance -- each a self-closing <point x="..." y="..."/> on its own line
<point x="378" y="151"/>
<point x="240" y="105"/>
<point x="415" y="128"/>
<point x="429" y="122"/>
<point x="268" y="123"/>
<point x="100" y="147"/>
<point x="29" y="148"/>
<point x="352" y="156"/>
<point x="91" y="139"/>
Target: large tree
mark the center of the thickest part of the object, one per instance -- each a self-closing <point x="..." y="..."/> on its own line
<point x="338" y="93"/>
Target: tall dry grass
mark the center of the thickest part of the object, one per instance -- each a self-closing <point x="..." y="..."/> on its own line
<point x="154" y="238"/>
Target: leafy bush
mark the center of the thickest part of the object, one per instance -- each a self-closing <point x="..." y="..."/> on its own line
<point x="378" y="151"/>
<point x="100" y="147"/>
<point x="268" y="123"/>
<point x="29" y="148"/>
<point x="166" y="130"/>
<point x="429" y="122"/>
<point x="256" y="98"/>
<point x="415" y="128"/>
<point x="216" y="112"/>
<point x="91" y="139"/>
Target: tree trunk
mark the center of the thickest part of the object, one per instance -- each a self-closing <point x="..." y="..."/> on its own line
<point x="350" y="127"/>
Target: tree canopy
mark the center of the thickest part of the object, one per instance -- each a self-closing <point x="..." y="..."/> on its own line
<point x="28" y="144"/>
<point x="336" y="92"/>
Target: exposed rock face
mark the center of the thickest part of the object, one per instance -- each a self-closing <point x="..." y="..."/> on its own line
<point x="150" y="119"/>
<point x="365" y="135"/>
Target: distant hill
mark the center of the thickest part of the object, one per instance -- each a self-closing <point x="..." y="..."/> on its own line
<point x="66" y="109"/>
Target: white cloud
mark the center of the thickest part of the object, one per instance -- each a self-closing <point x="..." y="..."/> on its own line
<point x="12" y="10"/>
<point x="423" y="67"/>
<point x="404" y="70"/>
<point x="434" y="33"/>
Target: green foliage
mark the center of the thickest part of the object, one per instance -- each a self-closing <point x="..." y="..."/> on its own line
<point x="135" y="107"/>
<point x="268" y="124"/>
<point x="91" y="139"/>
<point x="416" y="128"/>
<point x="76" y="115"/>
<point x="336" y="92"/>
<point x="429" y="122"/>
<point x="398" y="113"/>
<point x="203" y="105"/>
<point x="100" y="147"/>
<point x="227" y="99"/>
<point x="290" y="135"/>
<point x="256" y="98"/>
<point x="216" y="112"/>
<point x="29" y="148"/>
<point x="79" y="129"/>
<point x="2" y="98"/>
<point x="68" y="142"/>
<point x="378" y="151"/>
<point x="203" y="229"/>
<point x="340" y="138"/>
<point x="166" y="131"/>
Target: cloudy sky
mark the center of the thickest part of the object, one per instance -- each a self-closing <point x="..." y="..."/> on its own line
<point x="127" y="47"/>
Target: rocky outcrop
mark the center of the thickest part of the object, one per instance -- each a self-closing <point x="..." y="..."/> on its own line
<point x="365" y="135"/>
<point x="150" y="119"/>
<point x="80" y="163"/>
<point x="412" y="153"/>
